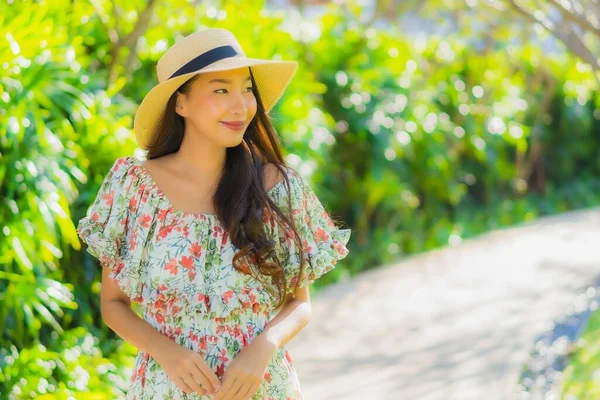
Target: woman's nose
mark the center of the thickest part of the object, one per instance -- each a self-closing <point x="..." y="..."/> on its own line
<point x="239" y="103"/>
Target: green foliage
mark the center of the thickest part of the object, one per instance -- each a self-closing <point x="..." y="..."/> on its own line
<point x="446" y="142"/>
<point x="415" y="144"/>
<point x="70" y="363"/>
<point x="581" y="379"/>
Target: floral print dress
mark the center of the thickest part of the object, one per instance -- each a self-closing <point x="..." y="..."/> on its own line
<point x="178" y="267"/>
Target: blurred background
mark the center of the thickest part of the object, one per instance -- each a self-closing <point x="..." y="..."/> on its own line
<point x="438" y="120"/>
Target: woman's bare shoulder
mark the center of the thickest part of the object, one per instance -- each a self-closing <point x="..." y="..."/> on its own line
<point x="272" y="175"/>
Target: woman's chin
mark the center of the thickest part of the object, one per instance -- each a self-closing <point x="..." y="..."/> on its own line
<point x="234" y="142"/>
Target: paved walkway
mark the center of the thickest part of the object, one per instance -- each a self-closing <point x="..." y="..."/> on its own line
<point x="453" y="324"/>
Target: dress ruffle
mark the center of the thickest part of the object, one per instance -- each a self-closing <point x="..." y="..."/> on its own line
<point x="323" y="242"/>
<point x="106" y="229"/>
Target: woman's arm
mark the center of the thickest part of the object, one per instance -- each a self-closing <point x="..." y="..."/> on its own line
<point x="292" y="318"/>
<point x="116" y="311"/>
<point x="185" y="367"/>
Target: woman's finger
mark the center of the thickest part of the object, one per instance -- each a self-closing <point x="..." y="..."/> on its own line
<point x="238" y="389"/>
<point x="226" y="391"/>
<point x="251" y="391"/>
<point x="191" y="382"/>
<point x="182" y="385"/>
<point x="206" y="377"/>
<point x="201" y="380"/>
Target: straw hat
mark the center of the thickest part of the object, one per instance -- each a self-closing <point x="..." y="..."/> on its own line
<point x="213" y="49"/>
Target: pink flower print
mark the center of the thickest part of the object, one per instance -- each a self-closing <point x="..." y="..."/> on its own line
<point x="140" y="372"/>
<point x="159" y="304"/>
<point x="159" y="318"/>
<point x="220" y="329"/>
<point x="162" y="215"/>
<point x="223" y="356"/>
<point x="187" y="262"/>
<point x="145" y="220"/>
<point x="196" y="249"/>
<point x="203" y="298"/>
<point x="132" y="243"/>
<point x="305" y="202"/>
<point x="164" y="231"/>
<point x="145" y="197"/>
<point x="191" y="275"/>
<point x="268" y="377"/>
<point x="217" y="230"/>
<point x="307" y="219"/>
<point x="95" y="217"/>
<point x="339" y="247"/>
<point x="139" y="298"/>
<point x="220" y="370"/>
<point x="288" y="357"/>
<point x="227" y="295"/>
<point x="289" y="236"/>
<point x="236" y="330"/>
<point x="321" y="235"/>
<point x="176" y="310"/>
<point x="225" y="235"/>
<point x="306" y="247"/>
<point x="172" y="267"/>
<point x="132" y="204"/>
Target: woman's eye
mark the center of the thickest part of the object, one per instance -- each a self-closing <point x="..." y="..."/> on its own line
<point x="249" y="87"/>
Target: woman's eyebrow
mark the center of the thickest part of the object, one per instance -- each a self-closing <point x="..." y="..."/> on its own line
<point x="221" y="80"/>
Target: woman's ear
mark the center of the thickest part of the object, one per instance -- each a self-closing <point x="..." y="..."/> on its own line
<point x="179" y="104"/>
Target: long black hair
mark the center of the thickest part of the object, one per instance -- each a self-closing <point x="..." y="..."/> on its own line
<point x="241" y="199"/>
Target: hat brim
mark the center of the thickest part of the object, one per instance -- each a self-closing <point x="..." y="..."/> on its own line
<point x="271" y="77"/>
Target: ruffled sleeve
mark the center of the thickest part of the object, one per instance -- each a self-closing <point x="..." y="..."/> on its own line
<point x="105" y="227"/>
<point x="323" y="242"/>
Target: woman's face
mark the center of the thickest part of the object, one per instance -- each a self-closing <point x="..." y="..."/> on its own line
<point x="215" y="98"/>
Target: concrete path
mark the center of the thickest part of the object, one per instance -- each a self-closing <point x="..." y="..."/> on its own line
<point x="453" y="324"/>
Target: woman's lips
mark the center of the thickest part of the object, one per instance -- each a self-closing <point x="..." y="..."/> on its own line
<point x="235" y="127"/>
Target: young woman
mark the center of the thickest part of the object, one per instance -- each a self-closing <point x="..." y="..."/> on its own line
<point x="213" y="235"/>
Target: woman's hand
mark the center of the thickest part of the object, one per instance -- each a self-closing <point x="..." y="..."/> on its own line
<point x="187" y="369"/>
<point x="246" y="371"/>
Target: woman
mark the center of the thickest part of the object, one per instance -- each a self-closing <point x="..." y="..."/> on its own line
<point x="213" y="235"/>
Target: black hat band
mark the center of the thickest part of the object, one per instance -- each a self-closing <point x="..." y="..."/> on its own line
<point x="205" y="59"/>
